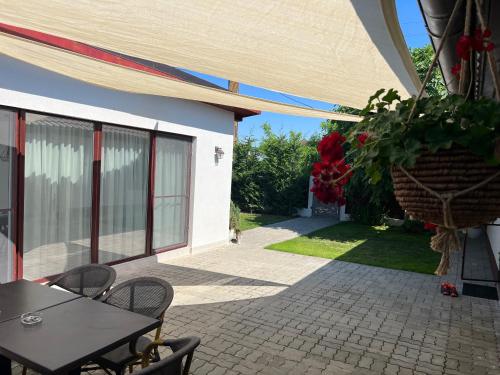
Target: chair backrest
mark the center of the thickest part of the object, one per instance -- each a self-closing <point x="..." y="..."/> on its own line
<point x="91" y="280"/>
<point x="148" y="296"/>
<point x="174" y="364"/>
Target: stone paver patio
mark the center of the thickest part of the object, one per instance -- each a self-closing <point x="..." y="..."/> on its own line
<point x="265" y="312"/>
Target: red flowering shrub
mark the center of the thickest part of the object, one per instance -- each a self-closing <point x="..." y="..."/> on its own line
<point x="332" y="173"/>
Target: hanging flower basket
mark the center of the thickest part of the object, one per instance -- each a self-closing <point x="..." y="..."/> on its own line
<point x="448" y="172"/>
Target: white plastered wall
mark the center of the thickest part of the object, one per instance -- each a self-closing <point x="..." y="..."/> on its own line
<point x="28" y="87"/>
<point x="494" y="236"/>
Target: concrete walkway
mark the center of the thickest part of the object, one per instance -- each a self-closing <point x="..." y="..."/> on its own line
<point x="266" y="312"/>
<point x="282" y="231"/>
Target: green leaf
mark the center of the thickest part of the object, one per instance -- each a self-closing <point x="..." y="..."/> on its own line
<point x="376" y="95"/>
<point x="391" y="96"/>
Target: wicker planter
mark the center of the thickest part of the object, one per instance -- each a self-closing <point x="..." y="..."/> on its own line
<point x="449" y="171"/>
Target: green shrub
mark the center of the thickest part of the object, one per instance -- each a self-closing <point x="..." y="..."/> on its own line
<point x="285" y="171"/>
<point x="246" y="188"/>
<point x="368" y="203"/>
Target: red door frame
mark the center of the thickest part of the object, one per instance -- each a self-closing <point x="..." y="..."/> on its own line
<point x="96" y="195"/>
<point x="19" y="202"/>
<point x="151" y="194"/>
<point x="187" y="196"/>
<point x="13" y="209"/>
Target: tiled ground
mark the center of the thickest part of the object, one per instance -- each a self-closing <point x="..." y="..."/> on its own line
<point x="264" y="312"/>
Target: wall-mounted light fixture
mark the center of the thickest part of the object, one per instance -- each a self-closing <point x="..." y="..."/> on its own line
<point x="219" y="153"/>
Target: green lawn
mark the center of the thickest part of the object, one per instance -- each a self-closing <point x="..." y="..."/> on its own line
<point x="250" y="221"/>
<point x="381" y="246"/>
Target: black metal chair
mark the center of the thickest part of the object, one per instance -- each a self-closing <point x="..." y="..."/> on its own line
<point x="91" y="280"/>
<point x="148" y="296"/>
<point x="174" y="364"/>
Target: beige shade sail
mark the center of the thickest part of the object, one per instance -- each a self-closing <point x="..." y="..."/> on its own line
<point x="127" y="79"/>
<point x="337" y="51"/>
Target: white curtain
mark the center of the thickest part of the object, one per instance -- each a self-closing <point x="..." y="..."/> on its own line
<point x="171" y="199"/>
<point x="124" y="184"/>
<point x="58" y="192"/>
<point x="7" y="124"/>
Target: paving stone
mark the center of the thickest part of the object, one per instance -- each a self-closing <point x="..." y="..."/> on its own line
<point x="266" y="312"/>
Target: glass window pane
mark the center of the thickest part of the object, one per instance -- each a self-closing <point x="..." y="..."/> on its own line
<point x="171" y="199"/>
<point x="58" y="192"/>
<point x="124" y="189"/>
<point x="7" y="154"/>
<point x="169" y="221"/>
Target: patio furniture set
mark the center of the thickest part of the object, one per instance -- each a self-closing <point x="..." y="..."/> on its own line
<point x="81" y="323"/>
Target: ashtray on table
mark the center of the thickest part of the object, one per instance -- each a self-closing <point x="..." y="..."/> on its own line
<point x="31" y="318"/>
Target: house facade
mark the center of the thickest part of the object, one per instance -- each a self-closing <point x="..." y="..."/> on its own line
<point x="93" y="175"/>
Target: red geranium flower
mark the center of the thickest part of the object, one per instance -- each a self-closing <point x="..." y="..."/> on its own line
<point x="331" y="173"/>
<point x="430" y="227"/>
<point x="362" y="139"/>
<point x="478" y="42"/>
<point x="463" y="47"/>
<point x="330" y="147"/>
<point x="325" y="185"/>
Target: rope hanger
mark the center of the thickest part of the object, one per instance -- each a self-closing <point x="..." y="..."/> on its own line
<point x="446" y="239"/>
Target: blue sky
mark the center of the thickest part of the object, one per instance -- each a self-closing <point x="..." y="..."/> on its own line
<point x="414" y="31"/>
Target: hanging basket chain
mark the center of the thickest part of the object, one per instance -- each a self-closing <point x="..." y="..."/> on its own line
<point x="435" y="59"/>
<point x="491" y="57"/>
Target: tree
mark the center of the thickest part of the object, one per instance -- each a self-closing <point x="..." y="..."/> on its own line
<point x="422" y="58"/>
<point x="285" y="162"/>
<point x="246" y="183"/>
<point x="272" y="176"/>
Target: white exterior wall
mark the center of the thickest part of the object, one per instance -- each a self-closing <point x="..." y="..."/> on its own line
<point x="494" y="236"/>
<point x="28" y="87"/>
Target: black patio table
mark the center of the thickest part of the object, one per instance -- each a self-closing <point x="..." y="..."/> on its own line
<point x="71" y="334"/>
<point x="22" y="296"/>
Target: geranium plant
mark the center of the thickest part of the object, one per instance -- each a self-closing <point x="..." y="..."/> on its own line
<point x="389" y="138"/>
<point x="385" y="137"/>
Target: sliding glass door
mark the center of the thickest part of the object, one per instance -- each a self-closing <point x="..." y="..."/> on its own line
<point x="7" y="155"/>
<point x="86" y="195"/>
<point x="57" y="196"/>
<point x="171" y="198"/>
<point x="123" y="194"/>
